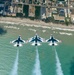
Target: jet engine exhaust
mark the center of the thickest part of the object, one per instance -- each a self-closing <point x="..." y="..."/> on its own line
<point x="37" y="70"/>
<point x="16" y="45"/>
<point x="15" y="66"/>
<point x="36" y="44"/>
<point x="58" y="64"/>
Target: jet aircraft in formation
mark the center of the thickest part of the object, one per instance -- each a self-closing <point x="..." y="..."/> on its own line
<point x="52" y="41"/>
<point x="18" y="42"/>
<point x="36" y="40"/>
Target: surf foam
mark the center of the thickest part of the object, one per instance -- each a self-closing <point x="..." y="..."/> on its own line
<point x="33" y="25"/>
<point x="32" y="29"/>
<point x="64" y="33"/>
<point x="11" y="27"/>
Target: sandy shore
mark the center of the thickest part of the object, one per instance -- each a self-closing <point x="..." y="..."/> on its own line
<point x="35" y="22"/>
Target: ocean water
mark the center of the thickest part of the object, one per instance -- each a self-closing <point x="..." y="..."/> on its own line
<point x="29" y="60"/>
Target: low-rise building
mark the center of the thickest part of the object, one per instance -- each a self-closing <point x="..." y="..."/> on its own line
<point x="39" y="9"/>
<point x="59" y="19"/>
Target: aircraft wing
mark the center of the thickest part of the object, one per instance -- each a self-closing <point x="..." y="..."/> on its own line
<point x="40" y="39"/>
<point x="48" y="40"/>
<point x="22" y="41"/>
<point x="32" y="39"/>
<point x="56" y="40"/>
<point x="14" y="41"/>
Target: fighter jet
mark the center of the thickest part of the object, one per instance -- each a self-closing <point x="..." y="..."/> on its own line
<point x="18" y="42"/>
<point x="52" y="41"/>
<point x="36" y="40"/>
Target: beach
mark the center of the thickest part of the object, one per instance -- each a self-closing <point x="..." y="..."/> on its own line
<point x="35" y="22"/>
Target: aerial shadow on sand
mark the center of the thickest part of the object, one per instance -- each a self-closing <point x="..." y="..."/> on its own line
<point x="72" y="67"/>
<point x="2" y="31"/>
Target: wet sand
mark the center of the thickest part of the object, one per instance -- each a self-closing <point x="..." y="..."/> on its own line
<point x="35" y="22"/>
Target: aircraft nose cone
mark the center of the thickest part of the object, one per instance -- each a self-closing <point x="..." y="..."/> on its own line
<point x="19" y="35"/>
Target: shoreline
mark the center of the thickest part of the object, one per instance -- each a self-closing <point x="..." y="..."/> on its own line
<point x="35" y="22"/>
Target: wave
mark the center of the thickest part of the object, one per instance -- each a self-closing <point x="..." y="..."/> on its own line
<point x="64" y="33"/>
<point x="31" y="25"/>
<point x="11" y="27"/>
<point x="32" y="29"/>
